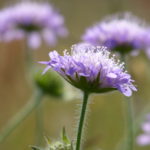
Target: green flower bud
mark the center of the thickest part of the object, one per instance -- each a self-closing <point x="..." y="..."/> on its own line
<point x="50" y="83"/>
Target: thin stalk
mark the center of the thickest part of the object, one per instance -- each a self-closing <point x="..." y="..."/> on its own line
<point x="127" y="142"/>
<point x="30" y="66"/>
<point x="81" y="122"/>
<point x="28" y="56"/>
<point x="137" y="124"/>
<point x="39" y="124"/>
<point x="130" y="132"/>
<point x="21" y="116"/>
<point x="129" y="139"/>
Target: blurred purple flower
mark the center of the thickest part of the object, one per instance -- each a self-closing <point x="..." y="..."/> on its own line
<point x="33" y="21"/>
<point x="91" y="69"/>
<point x="122" y="33"/>
<point x="144" y="138"/>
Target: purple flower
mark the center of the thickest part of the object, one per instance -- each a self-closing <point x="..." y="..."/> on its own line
<point x="144" y="138"/>
<point x="91" y="69"/>
<point x="122" y="33"/>
<point x="33" y="21"/>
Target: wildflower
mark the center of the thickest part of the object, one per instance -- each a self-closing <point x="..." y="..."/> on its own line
<point x="33" y="21"/>
<point x="121" y="33"/>
<point x="91" y="69"/>
<point x="144" y="138"/>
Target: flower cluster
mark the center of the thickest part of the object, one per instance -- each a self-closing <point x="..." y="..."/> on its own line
<point x="33" y="21"/>
<point x="122" y="33"/>
<point x="91" y="69"/>
<point x="144" y="139"/>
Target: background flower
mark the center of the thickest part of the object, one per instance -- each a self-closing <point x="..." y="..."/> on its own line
<point x="122" y="33"/>
<point x="33" y="21"/>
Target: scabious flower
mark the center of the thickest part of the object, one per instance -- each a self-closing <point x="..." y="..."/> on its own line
<point x="121" y="33"/>
<point x="144" y="138"/>
<point x="33" y="21"/>
<point x="91" y="69"/>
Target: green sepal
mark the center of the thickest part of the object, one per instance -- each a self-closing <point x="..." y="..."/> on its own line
<point x="65" y="139"/>
<point x="47" y="139"/>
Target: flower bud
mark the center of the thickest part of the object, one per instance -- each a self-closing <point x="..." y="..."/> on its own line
<point x="50" y="83"/>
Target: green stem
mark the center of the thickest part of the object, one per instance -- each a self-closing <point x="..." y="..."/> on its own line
<point x="30" y="66"/>
<point x="129" y="114"/>
<point x="21" y="116"/>
<point x="28" y="56"/>
<point x="81" y="122"/>
<point x="39" y="122"/>
<point x="130" y="133"/>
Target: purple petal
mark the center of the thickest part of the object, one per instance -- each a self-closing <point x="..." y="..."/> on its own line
<point x="46" y="69"/>
<point x="112" y="75"/>
<point x="53" y="54"/>
<point x="34" y="40"/>
<point x="44" y="62"/>
<point x="146" y="127"/>
<point x="49" y="37"/>
<point x="71" y="71"/>
<point x="126" y="91"/>
<point x="143" y="140"/>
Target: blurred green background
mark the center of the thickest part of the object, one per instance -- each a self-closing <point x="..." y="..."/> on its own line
<point x="105" y="125"/>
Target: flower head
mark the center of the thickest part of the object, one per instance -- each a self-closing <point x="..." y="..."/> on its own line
<point x="33" y="21"/>
<point x="91" y="69"/>
<point x="121" y="33"/>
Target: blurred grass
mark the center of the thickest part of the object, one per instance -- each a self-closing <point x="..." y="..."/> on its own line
<point x="105" y="122"/>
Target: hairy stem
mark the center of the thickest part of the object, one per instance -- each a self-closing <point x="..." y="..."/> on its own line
<point x="40" y="125"/>
<point x="81" y="122"/>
